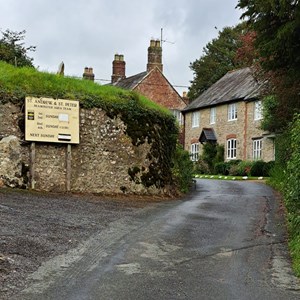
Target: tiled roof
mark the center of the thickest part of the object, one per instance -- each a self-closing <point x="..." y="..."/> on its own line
<point x="235" y="85"/>
<point x="130" y="82"/>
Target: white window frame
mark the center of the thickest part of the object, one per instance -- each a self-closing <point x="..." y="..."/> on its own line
<point x="258" y="110"/>
<point x="257" y="149"/>
<point x="195" y="119"/>
<point x="178" y="115"/>
<point x="232" y="112"/>
<point x="213" y="115"/>
<point x="194" y="152"/>
<point x="231" y="148"/>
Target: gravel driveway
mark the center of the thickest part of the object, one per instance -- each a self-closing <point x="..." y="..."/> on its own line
<point x="36" y="226"/>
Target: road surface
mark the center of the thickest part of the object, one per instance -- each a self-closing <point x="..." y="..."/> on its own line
<point x="226" y="240"/>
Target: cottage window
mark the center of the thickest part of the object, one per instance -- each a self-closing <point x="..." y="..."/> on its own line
<point x="232" y="112"/>
<point x="194" y="152"/>
<point x="257" y="149"/>
<point x="195" y="119"/>
<point x="231" y="148"/>
<point x="178" y="115"/>
<point x="257" y="110"/>
<point x="213" y="115"/>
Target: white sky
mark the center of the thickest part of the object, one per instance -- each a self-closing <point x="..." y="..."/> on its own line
<point x="89" y="32"/>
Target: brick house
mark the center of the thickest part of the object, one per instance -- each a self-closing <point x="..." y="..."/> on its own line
<point x="229" y="113"/>
<point x="151" y="83"/>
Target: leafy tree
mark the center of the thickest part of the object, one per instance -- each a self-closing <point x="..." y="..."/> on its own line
<point x="277" y="27"/>
<point x="247" y="54"/>
<point x="13" y="50"/>
<point x="219" y="57"/>
<point x="277" y="24"/>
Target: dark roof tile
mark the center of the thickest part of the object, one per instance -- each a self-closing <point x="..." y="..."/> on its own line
<point x="130" y="82"/>
<point x="235" y="85"/>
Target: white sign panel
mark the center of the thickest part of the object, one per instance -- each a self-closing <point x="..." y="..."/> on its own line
<point x="51" y="120"/>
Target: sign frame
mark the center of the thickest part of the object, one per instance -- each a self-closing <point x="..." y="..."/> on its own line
<point x="51" y="120"/>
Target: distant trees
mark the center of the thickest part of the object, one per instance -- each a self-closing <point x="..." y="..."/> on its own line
<point x="13" y="50"/>
<point x="220" y="56"/>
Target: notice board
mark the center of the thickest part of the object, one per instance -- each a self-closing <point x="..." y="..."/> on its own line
<point x="51" y="120"/>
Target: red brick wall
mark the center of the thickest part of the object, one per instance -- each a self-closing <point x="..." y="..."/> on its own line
<point x="157" y="88"/>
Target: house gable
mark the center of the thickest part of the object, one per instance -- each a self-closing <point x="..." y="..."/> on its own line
<point x="156" y="87"/>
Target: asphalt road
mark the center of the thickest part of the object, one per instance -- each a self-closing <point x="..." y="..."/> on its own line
<point x="225" y="241"/>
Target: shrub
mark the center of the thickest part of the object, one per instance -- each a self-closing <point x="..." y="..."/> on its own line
<point x="209" y="154"/>
<point x="277" y="177"/>
<point x="292" y="182"/>
<point x="212" y="154"/>
<point x="221" y="168"/>
<point x="244" y="168"/>
<point x="292" y="193"/>
<point x="219" y="155"/>
<point x="182" y="169"/>
<point x="201" y="167"/>
<point x="234" y="170"/>
<point x="268" y="167"/>
<point x="258" y="168"/>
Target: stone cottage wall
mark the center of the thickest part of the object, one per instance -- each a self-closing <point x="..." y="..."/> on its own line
<point x="245" y="129"/>
<point x="99" y="164"/>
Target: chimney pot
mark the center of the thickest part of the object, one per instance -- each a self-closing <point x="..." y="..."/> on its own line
<point x="88" y="74"/>
<point x="118" y="68"/>
<point x="152" y="43"/>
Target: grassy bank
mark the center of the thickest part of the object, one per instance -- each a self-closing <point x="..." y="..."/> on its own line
<point x="146" y="121"/>
<point x="17" y="83"/>
<point x="285" y="177"/>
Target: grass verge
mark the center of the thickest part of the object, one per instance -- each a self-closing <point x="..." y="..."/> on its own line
<point x="228" y="177"/>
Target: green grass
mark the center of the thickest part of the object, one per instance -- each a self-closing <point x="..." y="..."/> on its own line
<point x="294" y="245"/>
<point x="17" y="83"/>
<point x="227" y="177"/>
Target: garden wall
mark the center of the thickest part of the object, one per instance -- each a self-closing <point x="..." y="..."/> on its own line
<point x="100" y="163"/>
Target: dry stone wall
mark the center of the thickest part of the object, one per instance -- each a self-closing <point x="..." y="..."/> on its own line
<point x="99" y="164"/>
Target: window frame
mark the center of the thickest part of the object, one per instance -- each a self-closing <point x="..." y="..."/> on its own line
<point x="231" y="148"/>
<point x="232" y="112"/>
<point x="178" y="115"/>
<point x="213" y="115"/>
<point x="258" y="110"/>
<point x="194" y="153"/>
<point x="257" y="146"/>
<point x="195" y="119"/>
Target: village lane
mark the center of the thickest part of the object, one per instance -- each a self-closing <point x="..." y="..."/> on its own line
<point x="226" y="240"/>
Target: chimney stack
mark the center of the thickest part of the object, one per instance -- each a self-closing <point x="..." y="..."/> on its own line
<point x="118" y="68"/>
<point x="88" y="74"/>
<point x="154" y="56"/>
<point x="185" y="98"/>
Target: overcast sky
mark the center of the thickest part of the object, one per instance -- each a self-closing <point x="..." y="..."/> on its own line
<point x="89" y="32"/>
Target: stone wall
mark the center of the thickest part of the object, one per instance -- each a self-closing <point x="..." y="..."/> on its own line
<point x="99" y="164"/>
<point x="244" y="129"/>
